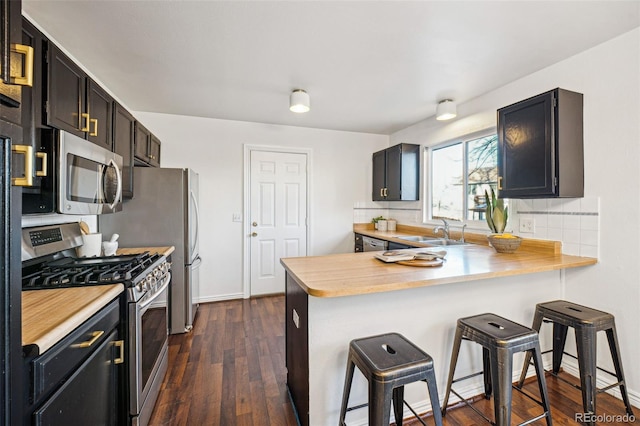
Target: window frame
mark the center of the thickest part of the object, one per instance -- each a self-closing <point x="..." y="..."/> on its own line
<point x="428" y="176"/>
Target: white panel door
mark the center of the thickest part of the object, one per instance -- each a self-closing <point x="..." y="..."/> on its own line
<point x="278" y="188"/>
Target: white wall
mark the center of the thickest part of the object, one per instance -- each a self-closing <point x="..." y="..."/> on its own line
<point x="340" y="173"/>
<point x="609" y="77"/>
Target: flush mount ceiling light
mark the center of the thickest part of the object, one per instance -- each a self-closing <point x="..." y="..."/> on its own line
<point x="299" y="101"/>
<point x="446" y="110"/>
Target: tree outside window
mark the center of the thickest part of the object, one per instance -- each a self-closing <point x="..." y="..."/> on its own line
<point x="461" y="172"/>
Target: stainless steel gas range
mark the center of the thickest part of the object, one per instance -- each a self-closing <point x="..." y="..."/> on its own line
<point x="48" y="261"/>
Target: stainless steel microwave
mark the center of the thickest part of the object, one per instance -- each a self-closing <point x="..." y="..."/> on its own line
<point x="89" y="178"/>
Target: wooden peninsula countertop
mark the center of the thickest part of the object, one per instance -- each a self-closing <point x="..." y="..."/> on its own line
<point x="352" y="274"/>
<point x="49" y="315"/>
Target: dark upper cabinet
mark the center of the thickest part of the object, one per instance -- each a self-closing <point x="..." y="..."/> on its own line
<point x="540" y="147"/>
<point x="12" y="61"/>
<point x="75" y="103"/>
<point x="396" y="173"/>
<point x="100" y="110"/>
<point x="147" y="147"/>
<point x="123" y="143"/>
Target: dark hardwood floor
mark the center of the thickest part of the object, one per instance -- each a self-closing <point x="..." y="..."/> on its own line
<point x="230" y="370"/>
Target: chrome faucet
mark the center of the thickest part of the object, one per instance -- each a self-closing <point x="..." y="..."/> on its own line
<point x="462" y="236"/>
<point x="444" y="229"/>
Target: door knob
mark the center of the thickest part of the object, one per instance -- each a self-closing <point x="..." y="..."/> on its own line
<point x="254" y="224"/>
<point x="254" y="234"/>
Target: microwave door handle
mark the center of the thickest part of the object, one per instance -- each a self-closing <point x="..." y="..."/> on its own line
<point x="119" y="188"/>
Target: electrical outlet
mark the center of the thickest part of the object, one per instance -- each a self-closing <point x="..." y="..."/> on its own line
<point x="527" y="225"/>
<point x="237" y="217"/>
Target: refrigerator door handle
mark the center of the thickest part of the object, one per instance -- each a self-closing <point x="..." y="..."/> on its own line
<point x="196" y="262"/>
<point x="197" y="224"/>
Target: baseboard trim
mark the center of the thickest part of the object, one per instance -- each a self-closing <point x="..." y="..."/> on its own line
<point x="220" y="298"/>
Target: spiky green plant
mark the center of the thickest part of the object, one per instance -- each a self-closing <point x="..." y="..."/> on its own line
<point x="497" y="214"/>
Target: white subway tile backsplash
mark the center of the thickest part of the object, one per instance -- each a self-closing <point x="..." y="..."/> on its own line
<point x="590" y="205"/>
<point x="540" y="205"/>
<point x="590" y="222"/>
<point x="571" y="205"/>
<point x="554" y="205"/>
<point x="554" y="234"/>
<point x="554" y="221"/>
<point x="588" y="251"/>
<point x="570" y="221"/>
<point x="571" y="236"/>
<point x="589" y="237"/>
<point x="570" y="248"/>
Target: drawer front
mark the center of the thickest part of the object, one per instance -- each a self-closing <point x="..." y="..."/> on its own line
<point x="62" y="359"/>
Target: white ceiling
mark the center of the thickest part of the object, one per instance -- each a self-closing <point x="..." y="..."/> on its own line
<point x="368" y="66"/>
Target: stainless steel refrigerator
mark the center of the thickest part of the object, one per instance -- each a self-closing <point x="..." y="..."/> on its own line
<point x="164" y="212"/>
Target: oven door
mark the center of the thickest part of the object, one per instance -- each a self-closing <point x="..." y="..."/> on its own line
<point x="90" y="181"/>
<point x="148" y="347"/>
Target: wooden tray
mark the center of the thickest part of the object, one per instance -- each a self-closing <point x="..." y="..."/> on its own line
<point x="421" y="262"/>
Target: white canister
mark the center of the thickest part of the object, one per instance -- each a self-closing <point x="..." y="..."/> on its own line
<point x="391" y="225"/>
<point x="382" y="225"/>
<point x="91" y="246"/>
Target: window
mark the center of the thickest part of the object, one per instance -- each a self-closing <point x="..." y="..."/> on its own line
<point x="460" y="174"/>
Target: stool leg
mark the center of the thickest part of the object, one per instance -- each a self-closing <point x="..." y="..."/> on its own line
<point x="486" y="368"/>
<point x="457" y="340"/>
<point x="380" y="396"/>
<point x="502" y="375"/>
<point x="542" y="383"/>
<point x="586" y="348"/>
<point x="537" y="324"/>
<point x="612" y="338"/>
<point x="559" y="339"/>
<point x="398" y="404"/>
<point x="347" y="390"/>
<point x="433" y="396"/>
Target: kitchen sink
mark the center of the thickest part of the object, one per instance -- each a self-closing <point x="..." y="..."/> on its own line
<point x="433" y="241"/>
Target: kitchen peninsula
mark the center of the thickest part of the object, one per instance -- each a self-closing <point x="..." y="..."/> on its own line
<point x="333" y="299"/>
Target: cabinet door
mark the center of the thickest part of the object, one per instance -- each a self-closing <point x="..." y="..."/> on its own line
<point x="100" y="110"/>
<point x="142" y="140"/>
<point x="154" y="151"/>
<point x="123" y="142"/>
<point x="394" y="173"/>
<point x="66" y="94"/>
<point x="379" y="172"/>
<point x="10" y="93"/>
<point x="90" y="396"/>
<point x="526" y="151"/>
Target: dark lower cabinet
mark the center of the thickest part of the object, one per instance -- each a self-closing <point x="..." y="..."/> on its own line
<point x="297" y="348"/>
<point x="359" y="243"/>
<point x="398" y="246"/>
<point x="540" y="147"/>
<point x="78" y="380"/>
<point x="89" y="396"/>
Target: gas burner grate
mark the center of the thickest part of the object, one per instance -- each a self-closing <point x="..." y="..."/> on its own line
<point x="73" y="272"/>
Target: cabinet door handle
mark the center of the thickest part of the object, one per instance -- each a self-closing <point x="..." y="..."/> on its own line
<point x="85" y="128"/>
<point x="499" y="183"/>
<point x="382" y="192"/>
<point x="94" y="338"/>
<point x="26" y="79"/>
<point x="43" y="168"/>
<point x="120" y="345"/>
<point x="386" y="191"/>
<point x="94" y="121"/>
<point x="27" y="152"/>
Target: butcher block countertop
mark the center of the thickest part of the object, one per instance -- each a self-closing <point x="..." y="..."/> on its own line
<point x="152" y="250"/>
<point x="50" y="315"/>
<point x="352" y="274"/>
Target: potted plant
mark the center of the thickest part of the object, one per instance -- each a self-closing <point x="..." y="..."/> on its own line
<point x="375" y="221"/>
<point x="497" y="215"/>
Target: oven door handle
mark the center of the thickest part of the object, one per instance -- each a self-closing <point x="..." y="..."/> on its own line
<point x="165" y="284"/>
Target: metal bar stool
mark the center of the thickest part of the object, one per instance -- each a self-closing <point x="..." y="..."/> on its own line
<point x="586" y="323"/>
<point x="389" y="361"/>
<point x="500" y="339"/>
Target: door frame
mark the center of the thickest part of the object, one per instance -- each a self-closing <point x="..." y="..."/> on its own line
<point x="246" y="220"/>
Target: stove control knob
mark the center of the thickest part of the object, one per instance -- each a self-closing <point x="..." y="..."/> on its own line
<point x="139" y="286"/>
